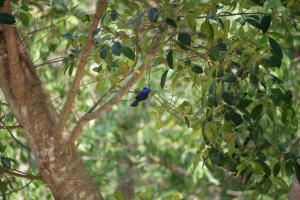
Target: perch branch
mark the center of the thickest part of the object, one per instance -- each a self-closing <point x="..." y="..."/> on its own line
<point x="80" y="69"/>
<point x="116" y="98"/>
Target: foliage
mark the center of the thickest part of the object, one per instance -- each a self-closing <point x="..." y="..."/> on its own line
<point x="220" y="121"/>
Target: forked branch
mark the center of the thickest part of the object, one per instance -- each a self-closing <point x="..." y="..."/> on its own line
<point x="116" y="98"/>
<point x="16" y="75"/>
<point x="80" y="69"/>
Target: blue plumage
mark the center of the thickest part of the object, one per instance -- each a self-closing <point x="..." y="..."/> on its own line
<point x="141" y="96"/>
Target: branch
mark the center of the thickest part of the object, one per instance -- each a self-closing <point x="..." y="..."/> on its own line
<point x="228" y="14"/>
<point x="16" y="75"/>
<point x="11" y="127"/>
<point x="12" y="135"/>
<point x="173" y="168"/>
<point x="99" y="101"/>
<point x="41" y="29"/>
<point x="80" y="69"/>
<point x="115" y="99"/>
<point x="294" y="193"/>
<point x="21" y="175"/>
<point x="16" y="190"/>
<point x="54" y="60"/>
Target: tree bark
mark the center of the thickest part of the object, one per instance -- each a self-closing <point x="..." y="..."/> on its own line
<point x="59" y="164"/>
<point x="295" y="190"/>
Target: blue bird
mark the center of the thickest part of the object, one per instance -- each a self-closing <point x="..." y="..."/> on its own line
<point x="143" y="95"/>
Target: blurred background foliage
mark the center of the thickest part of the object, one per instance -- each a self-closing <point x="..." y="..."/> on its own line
<point x="221" y="122"/>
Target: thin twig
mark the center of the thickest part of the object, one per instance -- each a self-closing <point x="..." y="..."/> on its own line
<point x="11" y="134"/>
<point x="21" y="188"/>
<point x="11" y="127"/>
<point x="173" y="168"/>
<point x="101" y="99"/>
<point x="88" y="83"/>
<point x="105" y="172"/>
<point x="228" y="15"/>
<point x="18" y="174"/>
<point x="54" y="60"/>
<point x="41" y="29"/>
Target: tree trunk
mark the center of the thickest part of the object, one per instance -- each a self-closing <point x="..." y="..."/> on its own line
<point x="295" y="190"/>
<point x="60" y="165"/>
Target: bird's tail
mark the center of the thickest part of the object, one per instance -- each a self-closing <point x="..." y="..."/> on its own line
<point x="135" y="103"/>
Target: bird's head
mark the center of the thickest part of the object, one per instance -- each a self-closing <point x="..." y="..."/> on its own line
<point x="145" y="89"/>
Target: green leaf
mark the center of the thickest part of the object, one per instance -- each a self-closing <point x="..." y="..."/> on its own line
<point x="256" y="111"/>
<point x="171" y="22"/>
<point x="103" y="51"/>
<point x="288" y="97"/>
<point x="119" y="196"/>
<point x="236" y="118"/>
<point x="128" y="53"/>
<point x="116" y="48"/>
<point x="264" y="185"/>
<point x="197" y="69"/>
<point x="259" y="2"/>
<point x="96" y="31"/>
<point x="265" y="23"/>
<point x="289" y="168"/>
<point x="3" y="187"/>
<point x="24" y="19"/>
<point x="274" y="61"/>
<point x="163" y="79"/>
<point x="183" y="47"/>
<point x="210" y="31"/>
<point x="220" y="46"/>
<point x="218" y="52"/>
<point x="216" y="157"/>
<point x="97" y="69"/>
<point x="191" y="22"/>
<point x="184" y="39"/>
<point x="71" y="68"/>
<point x="281" y="183"/>
<point x="113" y="15"/>
<point x="67" y="36"/>
<point x="221" y="23"/>
<point x="244" y="103"/>
<point x="170" y="59"/>
<point x="277" y="96"/>
<point x="6" y="18"/>
<point x="276" y="49"/>
<point x="261" y="156"/>
<point x="289" y="156"/>
<point x="207" y="32"/>
<point x="5" y="162"/>
<point x="229" y="78"/>
<point x="59" y="5"/>
<point x="276" y="169"/>
<point x="153" y="14"/>
<point x="86" y="18"/>
<point x="256" y="17"/>
<point x="253" y="22"/>
<point x="253" y="134"/>
<point x="257" y="166"/>
<point x="265" y="167"/>
<point x="187" y="121"/>
<point x="1" y="3"/>
<point x="228" y="98"/>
